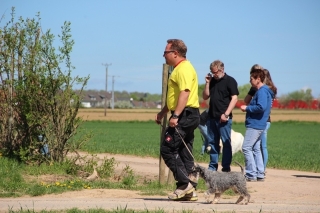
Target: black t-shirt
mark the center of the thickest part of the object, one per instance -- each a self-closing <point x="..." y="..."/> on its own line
<point x="252" y="91"/>
<point x="220" y="95"/>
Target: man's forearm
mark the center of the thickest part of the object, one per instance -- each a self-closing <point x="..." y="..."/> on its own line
<point x="206" y="93"/>
<point x="232" y="104"/>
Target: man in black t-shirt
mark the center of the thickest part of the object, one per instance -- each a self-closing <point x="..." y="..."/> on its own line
<point x="222" y="90"/>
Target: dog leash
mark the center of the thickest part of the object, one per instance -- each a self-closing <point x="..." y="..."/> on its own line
<point x="185" y="145"/>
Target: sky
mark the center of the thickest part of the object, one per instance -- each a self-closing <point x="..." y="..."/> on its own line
<point x="129" y="36"/>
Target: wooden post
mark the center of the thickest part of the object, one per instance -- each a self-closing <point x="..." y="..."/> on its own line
<point x="162" y="165"/>
<point x="170" y="179"/>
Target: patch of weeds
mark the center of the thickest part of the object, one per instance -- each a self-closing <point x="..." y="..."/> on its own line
<point x="128" y="179"/>
<point x="106" y="169"/>
<point x="36" y="190"/>
<point x="46" y="168"/>
<point x="12" y="183"/>
<point x="58" y="187"/>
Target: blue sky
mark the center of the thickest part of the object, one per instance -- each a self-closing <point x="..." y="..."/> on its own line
<point x="283" y="36"/>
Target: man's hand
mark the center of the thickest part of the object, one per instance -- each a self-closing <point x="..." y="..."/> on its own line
<point x="158" y="118"/>
<point x="208" y="78"/>
<point x="173" y="122"/>
<point x="223" y="118"/>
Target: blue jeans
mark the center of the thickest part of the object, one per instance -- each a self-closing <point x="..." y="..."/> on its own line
<point x="206" y="137"/>
<point x="251" y="149"/>
<point x="217" y="130"/>
<point x="264" y="149"/>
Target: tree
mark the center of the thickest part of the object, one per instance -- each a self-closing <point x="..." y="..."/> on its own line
<point x="243" y="91"/>
<point x="36" y="91"/>
<point x="299" y="95"/>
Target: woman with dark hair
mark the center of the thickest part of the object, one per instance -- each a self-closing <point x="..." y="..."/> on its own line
<point x="267" y="81"/>
<point x="257" y="114"/>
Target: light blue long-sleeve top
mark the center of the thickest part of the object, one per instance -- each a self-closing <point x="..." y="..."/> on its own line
<point x="258" y="110"/>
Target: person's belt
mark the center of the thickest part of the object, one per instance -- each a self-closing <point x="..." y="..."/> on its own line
<point x="172" y="111"/>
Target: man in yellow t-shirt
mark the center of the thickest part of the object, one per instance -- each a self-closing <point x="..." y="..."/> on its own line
<point x="183" y="103"/>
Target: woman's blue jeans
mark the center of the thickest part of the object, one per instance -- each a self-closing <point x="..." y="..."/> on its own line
<point x="217" y="130"/>
<point x="264" y="149"/>
<point x="251" y="149"/>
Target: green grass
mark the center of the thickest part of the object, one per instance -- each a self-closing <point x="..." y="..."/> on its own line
<point x="134" y="138"/>
<point x="291" y="144"/>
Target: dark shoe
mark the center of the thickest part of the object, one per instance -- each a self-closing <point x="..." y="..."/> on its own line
<point x="260" y="179"/>
<point x="226" y="170"/>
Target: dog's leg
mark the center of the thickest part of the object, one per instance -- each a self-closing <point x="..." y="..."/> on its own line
<point x="247" y="199"/>
<point x="216" y="197"/>
<point x="239" y="199"/>
<point x="207" y="196"/>
<point x="243" y="194"/>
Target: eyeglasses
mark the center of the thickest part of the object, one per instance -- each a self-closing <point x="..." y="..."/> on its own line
<point x="216" y="73"/>
<point x="166" y="52"/>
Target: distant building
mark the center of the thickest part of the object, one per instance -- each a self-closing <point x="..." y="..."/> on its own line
<point x="96" y="99"/>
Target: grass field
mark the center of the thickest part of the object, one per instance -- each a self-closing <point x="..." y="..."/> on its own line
<point x="291" y="144"/>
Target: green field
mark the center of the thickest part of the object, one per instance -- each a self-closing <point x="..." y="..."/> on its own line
<point x="291" y="144"/>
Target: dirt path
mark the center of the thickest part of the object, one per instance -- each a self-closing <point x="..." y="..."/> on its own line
<point x="282" y="191"/>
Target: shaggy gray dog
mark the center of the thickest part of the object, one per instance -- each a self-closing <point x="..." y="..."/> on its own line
<point x="218" y="182"/>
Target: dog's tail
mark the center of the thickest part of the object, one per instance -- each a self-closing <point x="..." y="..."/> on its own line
<point x="242" y="171"/>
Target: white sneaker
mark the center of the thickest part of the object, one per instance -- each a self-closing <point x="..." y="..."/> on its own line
<point x="189" y="197"/>
<point x="179" y="193"/>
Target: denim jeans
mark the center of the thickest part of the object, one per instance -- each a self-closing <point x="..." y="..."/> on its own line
<point x="264" y="149"/>
<point x="251" y="149"/>
<point x="217" y="130"/>
<point x="206" y="137"/>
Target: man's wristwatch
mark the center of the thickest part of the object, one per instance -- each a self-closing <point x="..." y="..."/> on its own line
<point x="175" y="116"/>
<point x="227" y="116"/>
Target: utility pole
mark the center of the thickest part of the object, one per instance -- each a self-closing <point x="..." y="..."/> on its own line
<point x="112" y="97"/>
<point x="105" y="98"/>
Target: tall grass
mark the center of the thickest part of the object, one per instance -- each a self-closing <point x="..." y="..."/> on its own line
<point x="291" y="144"/>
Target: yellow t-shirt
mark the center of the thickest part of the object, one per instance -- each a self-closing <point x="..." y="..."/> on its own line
<point x="183" y="77"/>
